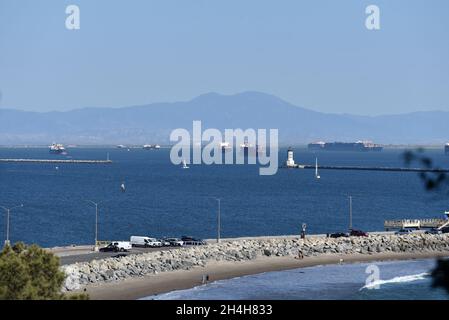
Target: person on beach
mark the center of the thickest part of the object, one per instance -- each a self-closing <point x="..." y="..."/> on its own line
<point x="303" y="231"/>
<point x="205" y="279"/>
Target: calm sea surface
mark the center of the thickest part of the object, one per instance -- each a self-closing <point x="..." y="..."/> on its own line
<point x="164" y="200"/>
<point x="398" y="280"/>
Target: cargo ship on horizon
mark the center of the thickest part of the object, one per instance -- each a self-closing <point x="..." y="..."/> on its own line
<point x="57" y="148"/>
<point x="359" y="146"/>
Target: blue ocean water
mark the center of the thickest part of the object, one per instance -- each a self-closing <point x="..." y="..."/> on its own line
<point x="164" y="200"/>
<point x="398" y="280"/>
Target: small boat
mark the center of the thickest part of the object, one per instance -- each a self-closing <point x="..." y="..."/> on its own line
<point x="147" y="146"/>
<point x="156" y="146"/>
<point x="184" y="165"/>
<point x="122" y="187"/>
<point x="316" y="169"/>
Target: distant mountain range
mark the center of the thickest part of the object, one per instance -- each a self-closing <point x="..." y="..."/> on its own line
<point x="153" y="123"/>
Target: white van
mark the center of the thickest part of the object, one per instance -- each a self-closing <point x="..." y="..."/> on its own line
<point x="139" y="241"/>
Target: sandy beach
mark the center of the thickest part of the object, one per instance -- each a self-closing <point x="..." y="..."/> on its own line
<point x="140" y="287"/>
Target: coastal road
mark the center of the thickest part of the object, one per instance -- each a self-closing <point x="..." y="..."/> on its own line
<point x="89" y="256"/>
<point x="74" y="254"/>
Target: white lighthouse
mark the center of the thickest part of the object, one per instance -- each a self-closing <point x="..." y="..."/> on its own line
<point x="290" y="163"/>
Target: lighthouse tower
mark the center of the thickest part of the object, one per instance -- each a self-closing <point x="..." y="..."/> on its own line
<point x="290" y="161"/>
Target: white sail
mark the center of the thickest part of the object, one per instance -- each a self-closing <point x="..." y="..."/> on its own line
<point x="316" y="169"/>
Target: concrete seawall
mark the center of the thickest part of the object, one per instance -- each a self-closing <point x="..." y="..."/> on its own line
<point x="72" y="161"/>
<point x="121" y="268"/>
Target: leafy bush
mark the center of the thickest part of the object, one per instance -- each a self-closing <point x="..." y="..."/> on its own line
<point x="30" y="272"/>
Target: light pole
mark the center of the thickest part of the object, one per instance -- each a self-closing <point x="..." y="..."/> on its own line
<point x="96" y="223"/>
<point x="350" y="213"/>
<point x="8" y="210"/>
<point x="218" y="219"/>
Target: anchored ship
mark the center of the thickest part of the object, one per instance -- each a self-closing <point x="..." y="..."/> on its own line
<point x="249" y="149"/>
<point x="225" y="146"/>
<point x="57" y="148"/>
<point x="150" y="147"/>
<point x="345" y="146"/>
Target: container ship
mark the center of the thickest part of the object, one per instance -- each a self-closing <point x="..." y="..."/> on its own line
<point x="149" y="146"/>
<point x="361" y="146"/>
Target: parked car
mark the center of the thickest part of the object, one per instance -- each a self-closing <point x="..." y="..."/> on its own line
<point x="116" y="246"/>
<point x="192" y="241"/>
<point x="434" y="231"/>
<point x="175" y="242"/>
<point x="338" y="235"/>
<point x="403" y="231"/>
<point x="358" y="233"/>
<point x="164" y="242"/>
<point x="155" y="243"/>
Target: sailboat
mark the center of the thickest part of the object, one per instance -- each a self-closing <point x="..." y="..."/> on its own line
<point x="316" y="169"/>
<point x="122" y="187"/>
<point x="184" y="165"/>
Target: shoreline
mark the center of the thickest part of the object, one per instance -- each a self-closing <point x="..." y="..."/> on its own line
<point x="163" y="282"/>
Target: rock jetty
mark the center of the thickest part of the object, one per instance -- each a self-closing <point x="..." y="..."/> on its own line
<point x="138" y="265"/>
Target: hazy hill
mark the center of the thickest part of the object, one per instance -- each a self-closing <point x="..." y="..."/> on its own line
<point x="153" y="123"/>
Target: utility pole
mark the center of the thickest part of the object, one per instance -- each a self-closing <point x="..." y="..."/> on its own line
<point x="350" y="213"/>
<point x="218" y="220"/>
<point x="8" y="210"/>
<point x="96" y="223"/>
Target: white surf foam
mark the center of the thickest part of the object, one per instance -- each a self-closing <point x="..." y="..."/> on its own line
<point x="401" y="279"/>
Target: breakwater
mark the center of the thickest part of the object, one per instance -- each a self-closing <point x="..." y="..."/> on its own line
<point x="359" y="168"/>
<point x="120" y="268"/>
<point x="56" y="161"/>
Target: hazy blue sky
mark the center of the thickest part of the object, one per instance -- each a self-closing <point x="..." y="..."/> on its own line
<point x="316" y="54"/>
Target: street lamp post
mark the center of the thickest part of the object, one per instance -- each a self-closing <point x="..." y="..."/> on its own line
<point x="8" y="210"/>
<point x="350" y="213"/>
<point x="96" y="223"/>
<point x="218" y="219"/>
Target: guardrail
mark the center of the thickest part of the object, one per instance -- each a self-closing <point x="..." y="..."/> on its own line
<point x="414" y="223"/>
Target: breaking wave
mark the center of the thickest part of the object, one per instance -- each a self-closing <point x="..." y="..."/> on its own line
<point x="400" y="279"/>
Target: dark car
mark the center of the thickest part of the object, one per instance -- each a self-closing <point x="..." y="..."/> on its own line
<point x="117" y="246"/>
<point x="403" y="231"/>
<point x="110" y="248"/>
<point x="338" y="235"/>
<point x="358" y="233"/>
<point x="174" y="242"/>
<point x="192" y="241"/>
<point x="434" y="231"/>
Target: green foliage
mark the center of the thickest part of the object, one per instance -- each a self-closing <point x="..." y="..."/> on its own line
<point x="436" y="181"/>
<point x="433" y="181"/>
<point x="441" y="275"/>
<point x="30" y="272"/>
